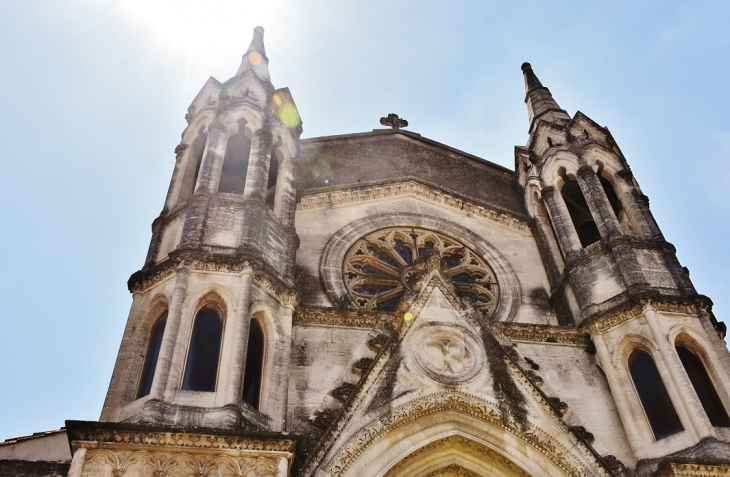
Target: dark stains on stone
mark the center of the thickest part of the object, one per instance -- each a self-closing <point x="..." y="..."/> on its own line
<point x="307" y="284"/>
<point x="384" y="393"/>
<point x="581" y="433"/>
<point x="540" y="299"/>
<point x="503" y="382"/>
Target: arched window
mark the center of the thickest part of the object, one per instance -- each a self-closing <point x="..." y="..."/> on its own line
<point x="271" y="184"/>
<point x="201" y="368"/>
<point x="254" y="365"/>
<point x="654" y="397"/>
<point x="703" y="387"/>
<point x="235" y="162"/>
<point x="618" y="208"/>
<point x="580" y="214"/>
<point x="150" y="359"/>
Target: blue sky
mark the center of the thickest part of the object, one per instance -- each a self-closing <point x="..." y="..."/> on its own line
<point x="94" y="95"/>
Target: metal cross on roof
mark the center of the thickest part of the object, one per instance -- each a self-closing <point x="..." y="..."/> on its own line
<point x="393" y="121"/>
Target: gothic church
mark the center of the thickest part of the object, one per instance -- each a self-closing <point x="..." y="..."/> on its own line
<point x="380" y="304"/>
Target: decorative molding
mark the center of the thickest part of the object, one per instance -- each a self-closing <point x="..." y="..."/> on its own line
<point x="547" y="444"/>
<point x="413" y="189"/>
<point x="489" y="455"/>
<point x="533" y="333"/>
<point x="605" y="323"/>
<point x="186" y="439"/>
<point x="694" y="470"/>
<point x="315" y="316"/>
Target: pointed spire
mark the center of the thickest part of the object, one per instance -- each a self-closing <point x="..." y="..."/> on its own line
<point x="255" y="57"/>
<point x="540" y="103"/>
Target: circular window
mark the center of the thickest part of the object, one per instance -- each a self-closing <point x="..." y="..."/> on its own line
<point x="380" y="267"/>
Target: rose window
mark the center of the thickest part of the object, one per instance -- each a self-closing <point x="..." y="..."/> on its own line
<point x="380" y="267"/>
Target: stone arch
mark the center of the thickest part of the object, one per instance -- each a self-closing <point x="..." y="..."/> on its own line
<point x="549" y="171"/>
<point x="458" y="453"/>
<point x="146" y="320"/>
<point x="394" y="434"/>
<point x="181" y="465"/>
<point x="221" y="466"/>
<point x="338" y="245"/>
<point x="259" y="467"/>
<point x="210" y="294"/>
<point x="140" y="464"/>
<point x="101" y="462"/>
<point x="202" y="119"/>
<point x="628" y="343"/>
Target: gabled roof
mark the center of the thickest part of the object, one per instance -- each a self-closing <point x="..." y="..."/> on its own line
<point x="393" y="155"/>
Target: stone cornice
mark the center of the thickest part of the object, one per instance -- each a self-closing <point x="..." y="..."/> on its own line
<point x="80" y="432"/>
<point x="414" y="189"/>
<point x="604" y="323"/>
<point x="534" y="333"/>
<point x="320" y="316"/>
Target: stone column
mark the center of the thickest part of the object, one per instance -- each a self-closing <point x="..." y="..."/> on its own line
<point x="563" y="224"/>
<point x="77" y="463"/>
<point x="207" y="184"/>
<point x="257" y="174"/>
<point x="282" y="467"/>
<point x="548" y="247"/>
<point x="720" y="348"/>
<point x="280" y="374"/>
<point x="637" y="205"/>
<point x="285" y="202"/>
<point x="123" y="387"/>
<point x="598" y="203"/>
<point x="212" y="162"/>
<point x="169" y="337"/>
<point x="179" y="152"/>
<point x="688" y="404"/>
<point x="618" y="391"/>
<point x="235" y="344"/>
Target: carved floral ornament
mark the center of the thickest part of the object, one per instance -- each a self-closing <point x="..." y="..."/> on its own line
<point x="447" y="354"/>
<point x="383" y="266"/>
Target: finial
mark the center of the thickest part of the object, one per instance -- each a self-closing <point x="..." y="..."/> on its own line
<point x="255" y="57"/>
<point x="394" y="121"/>
<point x="531" y="81"/>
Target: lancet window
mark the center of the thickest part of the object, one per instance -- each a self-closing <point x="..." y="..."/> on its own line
<point x="703" y="386"/>
<point x="201" y="368"/>
<point x="381" y="267"/>
<point x="235" y="162"/>
<point x="271" y="182"/>
<point x="150" y="359"/>
<point x="253" y="375"/>
<point x="579" y="212"/>
<point x="653" y="395"/>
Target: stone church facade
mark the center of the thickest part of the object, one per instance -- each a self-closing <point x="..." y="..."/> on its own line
<point x="380" y="304"/>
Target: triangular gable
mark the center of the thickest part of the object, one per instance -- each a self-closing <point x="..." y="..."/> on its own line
<point x="207" y="97"/>
<point x="442" y="359"/>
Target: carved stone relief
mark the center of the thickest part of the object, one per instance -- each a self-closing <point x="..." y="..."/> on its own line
<point x="447" y="354"/>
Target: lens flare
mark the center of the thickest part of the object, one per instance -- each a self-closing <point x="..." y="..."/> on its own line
<point x="277" y="99"/>
<point x="408" y="316"/>
<point x="255" y="58"/>
<point x="289" y="115"/>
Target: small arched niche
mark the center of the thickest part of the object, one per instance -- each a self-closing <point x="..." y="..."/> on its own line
<point x="580" y="213"/>
<point x="253" y="374"/>
<point x="653" y="395"/>
<point x="703" y="385"/>
<point x="150" y="360"/>
<point x="272" y="181"/>
<point x="235" y="161"/>
<point x="201" y="367"/>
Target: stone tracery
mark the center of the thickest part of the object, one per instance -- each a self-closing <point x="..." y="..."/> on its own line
<point x="384" y="265"/>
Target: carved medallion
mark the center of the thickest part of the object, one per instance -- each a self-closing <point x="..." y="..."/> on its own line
<point x="447" y="354"/>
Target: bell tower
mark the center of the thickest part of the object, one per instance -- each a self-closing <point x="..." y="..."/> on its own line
<point x="614" y="276"/>
<point x="207" y="341"/>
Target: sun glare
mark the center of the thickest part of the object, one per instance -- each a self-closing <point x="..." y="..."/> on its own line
<point x="193" y="27"/>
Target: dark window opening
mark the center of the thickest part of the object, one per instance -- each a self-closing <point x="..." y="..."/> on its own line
<point x="205" y="345"/>
<point x="653" y="395"/>
<point x="616" y="205"/>
<point x="254" y="365"/>
<point x="271" y="183"/>
<point x="579" y="212"/>
<point x="235" y="162"/>
<point x="150" y="359"/>
<point x="704" y="388"/>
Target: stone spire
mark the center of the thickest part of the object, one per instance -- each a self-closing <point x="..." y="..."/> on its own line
<point x="540" y="103"/>
<point x="255" y="57"/>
